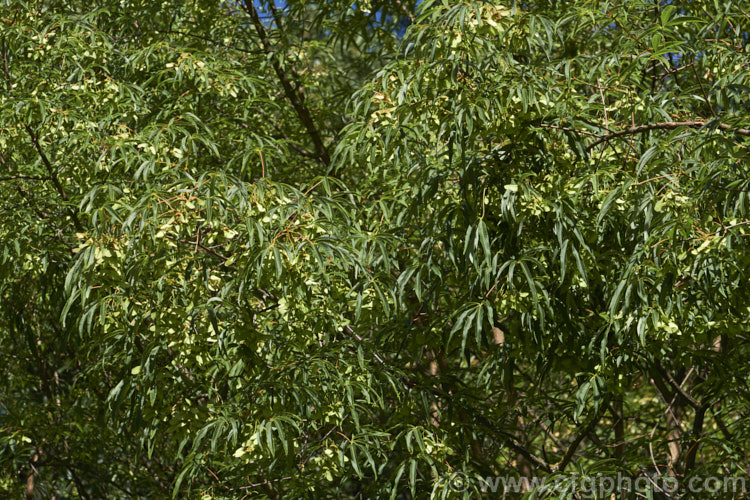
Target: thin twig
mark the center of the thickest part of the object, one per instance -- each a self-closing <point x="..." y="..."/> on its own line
<point x="570" y="129"/>
<point x="24" y="177"/>
<point x="666" y="126"/>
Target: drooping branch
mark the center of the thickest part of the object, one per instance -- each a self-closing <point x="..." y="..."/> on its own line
<point x="292" y="89"/>
<point x="665" y="126"/>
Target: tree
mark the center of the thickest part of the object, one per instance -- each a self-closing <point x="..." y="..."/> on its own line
<point x="304" y="250"/>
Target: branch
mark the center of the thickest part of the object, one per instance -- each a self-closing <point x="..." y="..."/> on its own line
<point x="538" y="462"/>
<point x="722" y="426"/>
<point x="677" y="387"/>
<point x="570" y="129"/>
<point x="264" y="483"/>
<point x="292" y="90"/>
<point x="665" y="126"/>
<point x="24" y="177"/>
<point x="698" y="420"/>
<point x="197" y="244"/>
<point x="157" y="479"/>
<point x="409" y="14"/>
<point x="79" y="485"/>
<point x="359" y="339"/>
<point x="214" y="42"/>
<point x="618" y="413"/>
<point x="577" y="441"/>
<point x="53" y="176"/>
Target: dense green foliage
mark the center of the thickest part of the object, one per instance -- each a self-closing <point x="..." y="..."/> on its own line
<point x="348" y="250"/>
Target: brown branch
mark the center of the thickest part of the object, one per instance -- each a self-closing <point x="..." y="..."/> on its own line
<point x="264" y="483"/>
<point x="677" y="387"/>
<point x="722" y="426"/>
<point x="666" y="126"/>
<point x="675" y="411"/>
<point x="30" y="477"/>
<point x="80" y="488"/>
<point x="694" y="444"/>
<point x="292" y="90"/>
<point x="676" y="70"/>
<point x="198" y="244"/>
<point x="618" y="413"/>
<point x="53" y="176"/>
<point x="157" y="479"/>
<point x="6" y="70"/>
<point x="573" y="446"/>
<point x="724" y="229"/>
<point x="570" y="129"/>
<point x="359" y="339"/>
<point x="536" y="461"/>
